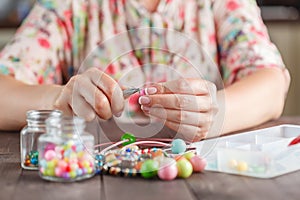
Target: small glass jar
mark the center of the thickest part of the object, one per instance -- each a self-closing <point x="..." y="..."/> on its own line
<point x="36" y="126"/>
<point x="66" y="150"/>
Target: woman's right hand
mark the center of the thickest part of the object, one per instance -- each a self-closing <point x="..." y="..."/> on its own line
<point x="90" y="94"/>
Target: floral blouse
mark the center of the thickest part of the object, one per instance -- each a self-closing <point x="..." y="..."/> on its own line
<point x="214" y="39"/>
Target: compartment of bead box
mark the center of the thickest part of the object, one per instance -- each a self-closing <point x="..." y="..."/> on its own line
<point x="262" y="153"/>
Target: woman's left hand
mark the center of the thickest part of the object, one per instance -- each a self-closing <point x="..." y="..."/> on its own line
<point x="187" y="106"/>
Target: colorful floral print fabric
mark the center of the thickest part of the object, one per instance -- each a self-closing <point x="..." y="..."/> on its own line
<point x="61" y="38"/>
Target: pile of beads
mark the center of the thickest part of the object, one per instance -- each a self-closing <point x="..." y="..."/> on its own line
<point x="130" y="160"/>
<point x="69" y="161"/>
<point x="32" y="159"/>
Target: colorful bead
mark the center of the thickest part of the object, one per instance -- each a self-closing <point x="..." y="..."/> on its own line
<point x="259" y="169"/>
<point x="115" y="170"/>
<point x="233" y="164"/>
<point x="31" y="159"/>
<point x="242" y="166"/>
<point x="66" y="161"/>
<point x="157" y="153"/>
<point x="185" y="168"/>
<point x="129" y="172"/>
<point x="178" y="146"/>
<point x="49" y="155"/>
<point x="148" y="162"/>
<point x="189" y="155"/>
<point x="198" y="163"/>
<point x="128" y="136"/>
<point x="168" y="169"/>
<point x="149" y="169"/>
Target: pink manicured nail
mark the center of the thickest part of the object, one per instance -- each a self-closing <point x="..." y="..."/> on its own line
<point x="144" y="100"/>
<point x="145" y="108"/>
<point x="150" y="90"/>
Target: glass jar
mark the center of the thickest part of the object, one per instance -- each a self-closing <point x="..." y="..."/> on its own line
<point x="36" y="126"/>
<point x="66" y="150"/>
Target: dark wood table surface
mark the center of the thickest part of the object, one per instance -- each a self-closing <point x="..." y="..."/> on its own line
<point x="16" y="183"/>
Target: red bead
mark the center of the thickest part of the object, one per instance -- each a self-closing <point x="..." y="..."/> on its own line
<point x="68" y="168"/>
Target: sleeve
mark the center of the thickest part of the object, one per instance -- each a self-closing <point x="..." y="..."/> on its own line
<point x="40" y="48"/>
<point x="244" y="44"/>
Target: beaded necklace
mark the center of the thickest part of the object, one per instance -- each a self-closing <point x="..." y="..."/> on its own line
<point x="149" y="158"/>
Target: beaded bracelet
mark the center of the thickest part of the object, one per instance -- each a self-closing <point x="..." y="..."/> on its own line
<point x="166" y="158"/>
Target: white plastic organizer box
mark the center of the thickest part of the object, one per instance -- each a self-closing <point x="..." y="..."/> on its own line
<point x="263" y="153"/>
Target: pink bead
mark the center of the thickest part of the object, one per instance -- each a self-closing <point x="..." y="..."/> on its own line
<point x="42" y="170"/>
<point x="62" y="165"/>
<point x="198" y="163"/>
<point x="58" y="172"/>
<point x="49" y="155"/>
<point x="168" y="170"/>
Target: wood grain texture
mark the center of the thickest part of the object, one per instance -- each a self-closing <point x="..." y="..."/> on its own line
<point x="31" y="186"/>
<point x="10" y="168"/>
<point x="16" y="183"/>
<point x="139" y="188"/>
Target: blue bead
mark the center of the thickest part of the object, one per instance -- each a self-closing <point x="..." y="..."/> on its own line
<point x="34" y="161"/>
<point x="178" y="146"/>
<point x="99" y="157"/>
<point x="98" y="171"/>
<point x="43" y="163"/>
<point x="79" y="172"/>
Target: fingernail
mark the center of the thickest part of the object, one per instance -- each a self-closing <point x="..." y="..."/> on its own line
<point x="145" y="108"/>
<point x="144" y="100"/>
<point x="118" y="114"/>
<point x="150" y="90"/>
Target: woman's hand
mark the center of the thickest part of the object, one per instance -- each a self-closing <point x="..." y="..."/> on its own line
<point x="89" y="94"/>
<point x="187" y="106"/>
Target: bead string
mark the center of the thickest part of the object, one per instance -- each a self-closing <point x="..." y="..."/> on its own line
<point x="113" y="145"/>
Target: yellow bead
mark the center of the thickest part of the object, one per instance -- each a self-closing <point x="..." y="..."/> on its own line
<point x="50" y="172"/>
<point x="73" y="174"/>
<point x="73" y="155"/>
<point x="89" y="170"/>
<point x="55" y="161"/>
<point x="85" y="164"/>
<point x="51" y="164"/>
<point x="189" y="155"/>
<point x="242" y="166"/>
<point x="80" y="154"/>
<point x="233" y="164"/>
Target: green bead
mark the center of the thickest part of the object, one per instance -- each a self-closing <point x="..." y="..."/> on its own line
<point x="189" y="155"/>
<point x="185" y="168"/>
<point x="149" y="168"/>
<point x="50" y="172"/>
<point x="51" y="165"/>
<point x="178" y="146"/>
<point x="128" y="136"/>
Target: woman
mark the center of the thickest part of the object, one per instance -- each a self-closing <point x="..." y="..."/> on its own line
<point x="56" y="38"/>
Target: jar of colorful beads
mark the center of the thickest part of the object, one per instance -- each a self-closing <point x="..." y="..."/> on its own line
<point x="66" y="150"/>
<point x="36" y="126"/>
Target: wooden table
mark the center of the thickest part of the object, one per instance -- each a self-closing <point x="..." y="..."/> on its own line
<point x="16" y="183"/>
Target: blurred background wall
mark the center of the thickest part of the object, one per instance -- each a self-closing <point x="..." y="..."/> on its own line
<point x="282" y="18"/>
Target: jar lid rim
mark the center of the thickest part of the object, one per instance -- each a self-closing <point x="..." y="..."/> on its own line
<point x="42" y="114"/>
